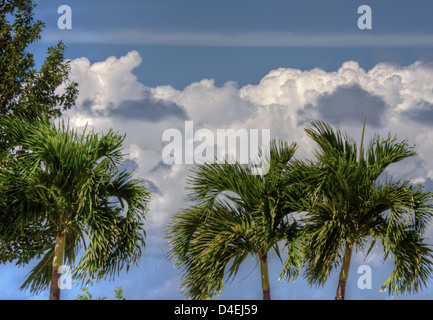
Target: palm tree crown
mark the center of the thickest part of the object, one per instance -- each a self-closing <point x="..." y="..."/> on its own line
<point x="347" y="205"/>
<point x="235" y="213"/>
<point x="70" y="184"/>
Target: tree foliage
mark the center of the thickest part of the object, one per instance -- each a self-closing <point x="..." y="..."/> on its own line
<point x="29" y="94"/>
<point x="70" y="184"/>
<point x="86" y="295"/>
<point x="24" y="89"/>
<point x="234" y="214"/>
<point x="350" y="202"/>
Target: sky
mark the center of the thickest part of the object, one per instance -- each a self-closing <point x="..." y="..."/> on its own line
<point x="147" y="66"/>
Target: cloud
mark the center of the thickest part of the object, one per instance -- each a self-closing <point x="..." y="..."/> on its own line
<point x="398" y="99"/>
<point x="206" y="103"/>
<point x="240" y="39"/>
<point x="130" y="165"/>
<point x="285" y="100"/>
<point x="145" y="109"/>
<point x="148" y="110"/>
<point x="422" y="112"/>
<point x="152" y="187"/>
<point x="346" y="105"/>
<point x="107" y="82"/>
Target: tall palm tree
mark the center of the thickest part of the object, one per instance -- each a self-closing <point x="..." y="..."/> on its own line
<point x="348" y="205"/>
<point x="234" y="214"/>
<point x="70" y="185"/>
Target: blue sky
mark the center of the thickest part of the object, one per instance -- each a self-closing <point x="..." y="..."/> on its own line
<point x="146" y="66"/>
<point x="177" y="63"/>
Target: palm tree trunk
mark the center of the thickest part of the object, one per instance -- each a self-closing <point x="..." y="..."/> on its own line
<point x="344" y="274"/>
<point x="57" y="263"/>
<point x="266" y="287"/>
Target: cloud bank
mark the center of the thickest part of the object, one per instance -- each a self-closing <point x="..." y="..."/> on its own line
<point x="282" y="39"/>
<point x="397" y="99"/>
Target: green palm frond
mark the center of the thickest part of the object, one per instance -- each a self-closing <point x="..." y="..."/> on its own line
<point x="235" y="213"/>
<point x="345" y="203"/>
<point x="204" y="241"/>
<point x="70" y="182"/>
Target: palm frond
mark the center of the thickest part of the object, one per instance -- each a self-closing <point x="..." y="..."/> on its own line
<point x="345" y="203"/>
<point x="235" y="213"/>
<point x="70" y="181"/>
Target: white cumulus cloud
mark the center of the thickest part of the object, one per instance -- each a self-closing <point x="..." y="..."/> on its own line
<point x="398" y="99"/>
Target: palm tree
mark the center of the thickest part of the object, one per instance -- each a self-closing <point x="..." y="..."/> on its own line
<point x="348" y="205"/>
<point x="235" y="213"/>
<point x="70" y="185"/>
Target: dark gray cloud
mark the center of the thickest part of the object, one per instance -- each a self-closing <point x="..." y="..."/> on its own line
<point x="146" y="109"/>
<point x="422" y="112"/>
<point x="87" y="105"/>
<point x="345" y="105"/>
